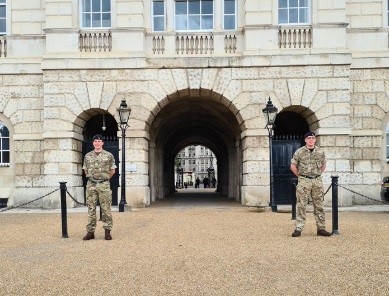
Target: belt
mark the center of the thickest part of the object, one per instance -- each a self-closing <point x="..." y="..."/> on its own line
<point x="97" y="181"/>
<point x="309" y="177"/>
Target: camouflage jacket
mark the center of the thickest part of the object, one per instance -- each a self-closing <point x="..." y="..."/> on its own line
<point x="98" y="167"/>
<point x="307" y="162"/>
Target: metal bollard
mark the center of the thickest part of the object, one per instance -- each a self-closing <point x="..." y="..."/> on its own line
<point x="335" y="215"/>
<point x="63" y="210"/>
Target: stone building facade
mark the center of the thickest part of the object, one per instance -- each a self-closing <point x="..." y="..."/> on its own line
<point x="203" y="86"/>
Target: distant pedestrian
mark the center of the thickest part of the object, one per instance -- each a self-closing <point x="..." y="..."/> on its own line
<point x="214" y="182"/>
<point x="308" y="163"/>
<point x="197" y="183"/>
<point x="205" y="182"/>
<point x="99" y="166"/>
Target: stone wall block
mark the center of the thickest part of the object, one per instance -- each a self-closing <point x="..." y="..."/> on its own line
<point x="253" y="154"/>
<point x="24" y="157"/>
<point x="51" y="113"/>
<point x="336" y="152"/>
<point x="194" y="78"/>
<point x="26" y="91"/>
<point x="296" y="71"/>
<point x="371" y="178"/>
<point x="342" y="141"/>
<point x="51" y="169"/>
<point x="362" y="111"/>
<point x="251" y="142"/>
<point x="68" y="168"/>
<point x="334" y="83"/>
<point x="339" y="96"/>
<point x="251" y="111"/>
<point x="362" y="166"/>
<point x="156" y="92"/>
<point x="222" y="81"/>
<point x="342" y="71"/>
<point x="255" y="179"/>
<point x="371" y="123"/>
<point x="133" y="179"/>
<point x="132" y="86"/>
<point x="245" y="73"/>
<point x="53" y="100"/>
<point x="281" y="90"/>
<point x="342" y="166"/>
<point x="137" y="155"/>
<point x="137" y="143"/>
<point x="371" y="153"/>
<point x="61" y="156"/>
<point x="11" y="108"/>
<point x="341" y="108"/>
<point x="251" y="167"/>
<point x="258" y="85"/>
<point x="270" y="72"/>
<point x="335" y="121"/>
<point x="32" y="169"/>
<point x="363" y="142"/>
<point x="232" y="91"/>
<point x="319" y="101"/>
<point x="73" y="105"/>
<point x="383" y="101"/>
<point x="95" y="90"/>
<point x="242" y="100"/>
<point x="362" y="86"/>
<point x="5" y="96"/>
<point x="309" y="91"/>
<point x="296" y="87"/>
<point x="81" y="95"/>
<point x="208" y="78"/>
<point x="95" y="75"/>
<point x="167" y="82"/>
<point x="108" y="94"/>
<point x="23" y="181"/>
<point x="180" y="77"/>
<point x="27" y="146"/>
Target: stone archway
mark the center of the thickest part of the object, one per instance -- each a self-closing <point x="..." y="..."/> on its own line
<point x="188" y="120"/>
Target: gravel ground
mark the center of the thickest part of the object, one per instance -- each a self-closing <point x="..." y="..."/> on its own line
<point x="192" y="248"/>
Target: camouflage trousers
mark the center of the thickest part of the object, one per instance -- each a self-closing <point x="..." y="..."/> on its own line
<point x="310" y="188"/>
<point x="99" y="192"/>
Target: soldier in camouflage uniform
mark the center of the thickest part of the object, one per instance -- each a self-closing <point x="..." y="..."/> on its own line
<point x="99" y="166"/>
<point x="307" y="164"/>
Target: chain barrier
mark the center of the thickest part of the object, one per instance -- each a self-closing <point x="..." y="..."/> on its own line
<point x="76" y="201"/>
<point x="369" y="198"/>
<point x="27" y="203"/>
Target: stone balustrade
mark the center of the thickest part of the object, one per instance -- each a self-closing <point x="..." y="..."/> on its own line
<point x="96" y="41"/>
<point x="298" y="37"/>
<point x="3" y="46"/>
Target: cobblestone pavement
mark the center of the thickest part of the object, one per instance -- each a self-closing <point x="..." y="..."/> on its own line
<point x="194" y="245"/>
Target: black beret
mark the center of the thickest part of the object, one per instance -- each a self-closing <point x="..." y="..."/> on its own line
<point x="97" y="137"/>
<point x="309" y="134"/>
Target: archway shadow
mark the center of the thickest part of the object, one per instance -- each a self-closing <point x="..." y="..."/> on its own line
<point x="202" y="197"/>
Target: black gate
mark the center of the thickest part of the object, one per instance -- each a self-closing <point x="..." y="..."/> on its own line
<point x="282" y="150"/>
<point x="111" y="144"/>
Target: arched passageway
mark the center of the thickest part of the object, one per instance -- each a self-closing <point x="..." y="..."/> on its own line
<point x="194" y="121"/>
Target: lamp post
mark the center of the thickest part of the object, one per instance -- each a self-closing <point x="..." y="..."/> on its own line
<point x="270" y="113"/>
<point x="124" y="114"/>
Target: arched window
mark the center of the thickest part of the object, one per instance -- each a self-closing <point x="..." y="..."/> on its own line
<point x="4" y="145"/>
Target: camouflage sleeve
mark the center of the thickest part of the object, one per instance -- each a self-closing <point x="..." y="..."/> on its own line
<point x="295" y="158"/>
<point x="113" y="165"/>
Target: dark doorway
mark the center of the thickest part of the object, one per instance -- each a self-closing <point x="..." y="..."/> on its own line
<point x="104" y="124"/>
<point x="288" y="137"/>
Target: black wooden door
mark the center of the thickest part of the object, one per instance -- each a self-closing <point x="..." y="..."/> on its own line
<point x="111" y="144"/>
<point x="282" y="149"/>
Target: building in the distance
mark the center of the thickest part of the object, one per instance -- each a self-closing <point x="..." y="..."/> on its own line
<point x="196" y="161"/>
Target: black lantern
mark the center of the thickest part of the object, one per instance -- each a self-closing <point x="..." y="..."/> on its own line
<point x="270" y="113"/>
<point x="124" y="114"/>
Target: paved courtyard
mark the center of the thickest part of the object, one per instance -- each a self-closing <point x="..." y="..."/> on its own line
<point x="194" y="244"/>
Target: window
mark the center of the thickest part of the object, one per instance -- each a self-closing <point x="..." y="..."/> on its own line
<point x="293" y="11"/>
<point x="3" y="17"/>
<point x="4" y="145"/>
<point x="229" y="15"/>
<point x="158" y="15"/>
<point x="96" y="13"/>
<point x="193" y="15"/>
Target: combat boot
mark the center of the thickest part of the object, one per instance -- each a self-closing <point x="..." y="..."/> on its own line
<point x="296" y="233"/>
<point x="88" y="236"/>
<point x="323" y="232"/>
<point x="108" y="234"/>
